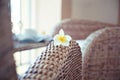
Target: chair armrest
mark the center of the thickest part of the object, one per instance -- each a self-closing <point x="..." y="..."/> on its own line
<point x="57" y="63"/>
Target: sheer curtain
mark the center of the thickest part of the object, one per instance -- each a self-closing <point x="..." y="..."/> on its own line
<point x="15" y="16"/>
<point x="49" y="14"/>
<point x="40" y="15"/>
<point x="23" y="15"/>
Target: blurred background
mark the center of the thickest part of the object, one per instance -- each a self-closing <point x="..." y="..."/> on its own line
<point x="42" y="15"/>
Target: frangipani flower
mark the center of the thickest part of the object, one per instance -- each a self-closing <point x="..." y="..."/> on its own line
<point x="62" y="39"/>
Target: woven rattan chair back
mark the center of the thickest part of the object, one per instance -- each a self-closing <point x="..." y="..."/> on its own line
<point x="102" y="56"/>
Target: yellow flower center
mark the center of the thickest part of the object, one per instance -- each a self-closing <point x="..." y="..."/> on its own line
<point x="62" y="39"/>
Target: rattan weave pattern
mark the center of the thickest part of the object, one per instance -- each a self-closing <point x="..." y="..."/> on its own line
<point x="80" y="29"/>
<point x="57" y="63"/>
<point x="102" y="57"/>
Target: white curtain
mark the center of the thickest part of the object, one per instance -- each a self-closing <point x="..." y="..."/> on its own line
<point x="41" y="15"/>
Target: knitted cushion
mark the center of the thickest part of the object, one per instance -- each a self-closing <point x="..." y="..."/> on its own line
<point x="57" y="63"/>
<point x="102" y="56"/>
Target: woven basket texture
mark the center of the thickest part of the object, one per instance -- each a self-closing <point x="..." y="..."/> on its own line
<point x="57" y="63"/>
<point x="102" y="56"/>
<point x="80" y="29"/>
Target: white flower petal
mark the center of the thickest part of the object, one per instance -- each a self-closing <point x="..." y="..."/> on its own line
<point x="65" y="44"/>
<point x="55" y="37"/>
<point x="61" y="39"/>
<point x="61" y="32"/>
<point x="68" y="37"/>
<point x="57" y="43"/>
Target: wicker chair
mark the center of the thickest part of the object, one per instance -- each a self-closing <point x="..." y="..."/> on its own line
<point x="101" y="59"/>
<point x="57" y="63"/>
<point x="79" y="29"/>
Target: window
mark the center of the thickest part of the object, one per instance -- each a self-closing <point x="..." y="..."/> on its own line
<point x="49" y="14"/>
<point x="22" y="15"/>
<point x="15" y="16"/>
<point x="40" y="15"/>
